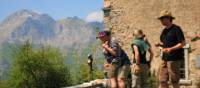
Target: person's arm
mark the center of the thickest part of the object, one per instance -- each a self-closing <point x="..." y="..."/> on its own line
<point x="180" y="39"/>
<point x="131" y="59"/>
<point x="110" y="50"/>
<point x="151" y="54"/>
<point x="137" y="56"/>
<point x="178" y="46"/>
<point x="151" y="57"/>
<point x="136" y="67"/>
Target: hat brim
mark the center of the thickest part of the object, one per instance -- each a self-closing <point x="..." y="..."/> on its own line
<point x="159" y="18"/>
<point x="99" y="37"/>
<point x="166" y="17"/>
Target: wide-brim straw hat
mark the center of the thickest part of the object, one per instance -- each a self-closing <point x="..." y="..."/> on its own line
<point x="165" y="13"/>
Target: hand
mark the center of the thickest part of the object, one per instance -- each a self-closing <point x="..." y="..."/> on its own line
<point x="157" y="44"/>
<point x="106" y="65"/>
<point x="104" y="46"/>
<point x="132" y="62"/>
<point x="167" y="50"/>
<point x="136" y="69"/>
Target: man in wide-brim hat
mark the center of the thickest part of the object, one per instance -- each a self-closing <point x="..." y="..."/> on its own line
<point x="172" y="41"/>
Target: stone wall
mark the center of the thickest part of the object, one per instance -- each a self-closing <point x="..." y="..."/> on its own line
<point x="126" y="15"/>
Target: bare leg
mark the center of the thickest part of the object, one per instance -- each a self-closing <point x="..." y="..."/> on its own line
<point x="121" y="82"/>
<point x="113" y="82"/>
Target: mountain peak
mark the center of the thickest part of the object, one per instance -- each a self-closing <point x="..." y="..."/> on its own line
<point x="75" y="18"/>
<point x="20" y="15"/>
<point x="24" y="13"/>
<point x="27" y="24"/>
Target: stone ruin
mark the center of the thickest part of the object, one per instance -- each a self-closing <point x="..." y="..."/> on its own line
<point x="123" y="16"/>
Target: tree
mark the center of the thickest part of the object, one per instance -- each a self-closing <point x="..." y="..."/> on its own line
<point x="80" y="69"/>
<point x="39" y="68"/>
<point x="7" y="53"/>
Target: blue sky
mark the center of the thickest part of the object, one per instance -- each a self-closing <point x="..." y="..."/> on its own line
<point x="58" y="9"/>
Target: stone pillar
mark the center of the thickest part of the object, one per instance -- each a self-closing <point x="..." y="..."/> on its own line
<point x="186" y="52"/>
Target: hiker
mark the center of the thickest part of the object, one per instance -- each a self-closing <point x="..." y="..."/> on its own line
<point x="172" y="41"/>
<point x="140" y="64"/>
<point x="117" y="62"/>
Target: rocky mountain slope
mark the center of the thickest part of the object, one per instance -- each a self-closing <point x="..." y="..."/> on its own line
<point x="67" y="34"/>
<point x="41" y="28"/>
